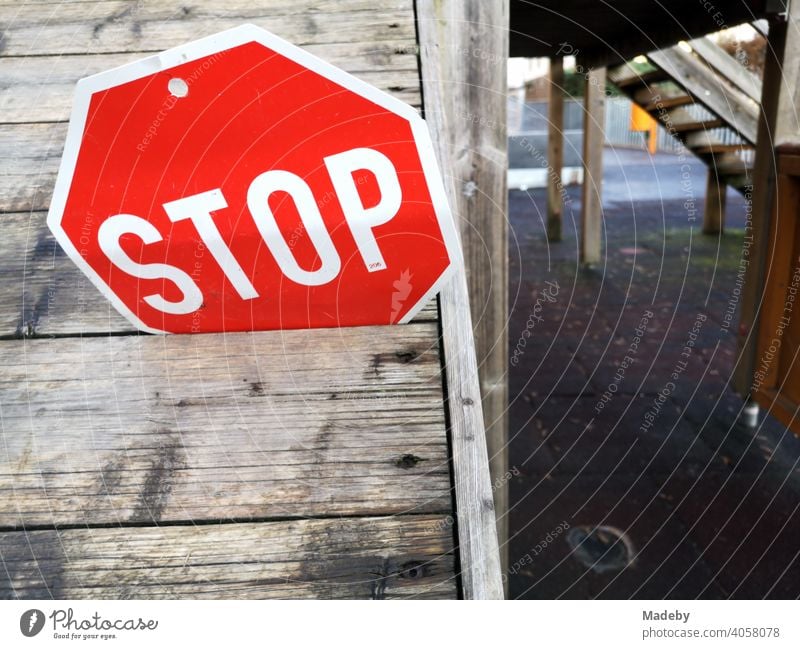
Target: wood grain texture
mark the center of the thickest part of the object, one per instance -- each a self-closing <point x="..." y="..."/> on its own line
<point x="149" y="25"/>
<point x="218" y="427"/>
<point x="447" y="30"/>
<point x="594" y="101"/>
<point x="787" y="121"/>
<point x="333" y="429"/>
<point x="43" y="293"/>
<point x="728" y="67"/>
<point x="370" y="558"/>
<point x="708" y="88"/>
<point x="40" y="88"/>
<point x="376" y="43"/>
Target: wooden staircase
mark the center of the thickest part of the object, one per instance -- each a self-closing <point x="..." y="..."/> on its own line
<point x="706" y="99"/>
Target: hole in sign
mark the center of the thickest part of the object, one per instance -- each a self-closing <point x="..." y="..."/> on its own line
<point x="199" y="210"/>
<point x="178" y="87"/>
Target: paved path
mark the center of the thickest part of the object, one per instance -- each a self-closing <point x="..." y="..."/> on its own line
<point x="650" y="479"/>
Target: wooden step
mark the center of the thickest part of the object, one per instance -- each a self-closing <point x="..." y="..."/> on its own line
<point x="729" y="165"/>
<point x="715" y="149"/>
<point x="700" y="139"/>
<point x="634" y="79"/>
<point x="702" y="125"/>
<point x="659" y="103"/>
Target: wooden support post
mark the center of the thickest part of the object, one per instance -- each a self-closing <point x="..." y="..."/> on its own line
<point x="593" y="140"/>
<point x="714" y="215"/>
<point x="464" y="56"/>
<point x="760" y="197"/>
<point x="555" y="150"/>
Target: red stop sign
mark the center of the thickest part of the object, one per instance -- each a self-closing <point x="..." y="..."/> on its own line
<point x="240" y="183"/>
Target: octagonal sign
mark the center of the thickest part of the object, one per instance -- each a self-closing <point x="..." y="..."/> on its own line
<point x="240" y="183"/>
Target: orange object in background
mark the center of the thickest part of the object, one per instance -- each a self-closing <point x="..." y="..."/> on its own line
<point x="641" y="120"/>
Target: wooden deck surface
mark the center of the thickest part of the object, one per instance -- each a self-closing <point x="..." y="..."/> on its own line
<point x="276" y="464"/>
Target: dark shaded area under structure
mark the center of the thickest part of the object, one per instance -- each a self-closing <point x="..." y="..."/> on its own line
<point x="600" y="33"/>
<point x="646" y="496"/>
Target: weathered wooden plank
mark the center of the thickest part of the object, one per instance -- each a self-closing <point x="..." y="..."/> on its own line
<point x="40" y="88"/>
<point x="43" y="293"/>
<point x="728" y="67"/>
<point x="654" y="101"/>
<point x="123" y="26"/>
<point x="372" y="558"/>
<point x="467" y="156"/>
<point x="592" y="189"/>
<point x="221" y="426"/>
<point x="709" y="89"/>
<point x="693" y="125"/>
<point x="630" y="78"/>
<point x="28" y="166"/>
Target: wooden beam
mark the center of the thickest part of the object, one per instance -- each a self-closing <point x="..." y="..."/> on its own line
<point x="109" y="26"/>
<point x="222" y="426"/>
<point x="626" y="76"/>
<point x="555" y="150"/>
<point x="457" y="85"/>
<point x="26" y="79"/>
<point x="778" y="101"/>
<point x="593" y="140"/>
<point x="714" y="214"/>
<point x="398" y="557"/>
<point x="694" y="126"/>
<point x="43" y="293"/>
<point x="654" y="102"/>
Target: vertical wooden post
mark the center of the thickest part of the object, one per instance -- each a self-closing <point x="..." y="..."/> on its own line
<point x="781" y="46"/>
<point x="555" y="150"/>
<point x="593" y="140"/>
<point x="716" y="194"/>
<point x="464" y="58"/>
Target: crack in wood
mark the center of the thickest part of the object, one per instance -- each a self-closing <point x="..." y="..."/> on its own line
<point x="157" y="488"/>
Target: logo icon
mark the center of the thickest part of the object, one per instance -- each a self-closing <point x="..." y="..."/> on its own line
<point x="31" y="622"/>
<point x="402" y="289"/>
